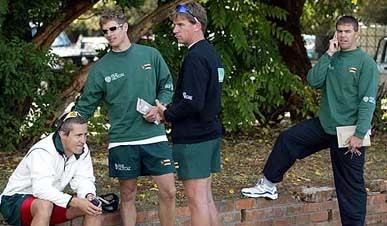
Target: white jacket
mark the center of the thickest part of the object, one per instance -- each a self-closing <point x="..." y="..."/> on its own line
<point x="44" y="172"/>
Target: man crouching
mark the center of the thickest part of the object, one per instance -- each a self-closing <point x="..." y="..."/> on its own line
<point x="34" y="193"/>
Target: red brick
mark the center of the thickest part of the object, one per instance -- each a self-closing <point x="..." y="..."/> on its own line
<point x="252" y="214"/>
<point x="319" y="217"/>
<point x="147" y="216"/>
<point x="279" y="212"/>
<point x="225" y="206"/>
<point x="302" y="219"/>
<point x="183" y="211"/>
<point x="294" y="209"/>
<point x="282" y="222"/>
<point x="312" y="207"/>
<point x="244" y="204"/>
<point x="230" y="217"/>
<point x="286" y="200"/>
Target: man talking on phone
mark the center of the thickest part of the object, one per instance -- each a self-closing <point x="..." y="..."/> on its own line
<point x="348" y="79"/>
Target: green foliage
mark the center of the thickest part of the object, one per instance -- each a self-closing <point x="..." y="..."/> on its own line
<point x="380" y="115"/>
<point x="26" y="80"/>
<point x="319" y="16"/>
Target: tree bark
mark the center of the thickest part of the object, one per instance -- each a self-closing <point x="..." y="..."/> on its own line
<point x="73" y="9"/>
<point x="294" y="56"/>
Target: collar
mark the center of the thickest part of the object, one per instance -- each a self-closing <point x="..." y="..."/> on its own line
<point x="59" y="146"/>
<point x="192" y="44"/>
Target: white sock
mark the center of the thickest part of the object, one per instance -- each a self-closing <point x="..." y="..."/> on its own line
<point x="268" y="183"/>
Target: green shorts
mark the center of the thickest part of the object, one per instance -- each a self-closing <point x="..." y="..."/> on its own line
<point x="132" y="161"/>
<point x="199" y="160"/>
<point x="10" y="208"/>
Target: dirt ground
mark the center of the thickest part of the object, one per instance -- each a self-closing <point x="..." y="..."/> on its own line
<point x="243" y="157"/>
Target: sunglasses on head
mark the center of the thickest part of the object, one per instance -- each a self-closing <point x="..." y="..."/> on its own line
<point x="71" y="114"/>
<point x="183" y="9"/>
<point x="105" y="31"/>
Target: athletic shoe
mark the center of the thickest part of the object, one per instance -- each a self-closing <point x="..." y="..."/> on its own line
<point x="260" y="190"/>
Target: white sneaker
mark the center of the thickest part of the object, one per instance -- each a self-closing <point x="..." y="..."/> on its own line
<point x="260" y="190"/>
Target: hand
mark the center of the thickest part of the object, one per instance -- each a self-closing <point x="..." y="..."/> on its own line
<point x="152" y="115"/>
<point x="161" y="108"/>
<point x="354" y="144"/>
<point x="333" y="45"/>
<point x="86" y="206"/>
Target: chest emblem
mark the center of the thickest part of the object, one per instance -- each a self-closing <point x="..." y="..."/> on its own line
<point x="352" y="70"/>
<point x="146" y="67"/>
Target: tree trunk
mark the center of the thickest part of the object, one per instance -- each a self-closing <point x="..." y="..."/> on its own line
<point x="294" y="56"/>
<point x="73" y="9"/>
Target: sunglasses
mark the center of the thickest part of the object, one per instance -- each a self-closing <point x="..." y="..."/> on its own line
<point x="112" y="29"/>
<point x="70" y="115"/>
<point x="183" y="9"/>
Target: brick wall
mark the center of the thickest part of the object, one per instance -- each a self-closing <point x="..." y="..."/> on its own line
<point x="307" y="207"/>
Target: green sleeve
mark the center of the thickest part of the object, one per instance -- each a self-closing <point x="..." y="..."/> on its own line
<point x="91" y="96"/>
<point x="317" y="75"/>
<point x="164" y="80"/>
<point x="368" y="88"/>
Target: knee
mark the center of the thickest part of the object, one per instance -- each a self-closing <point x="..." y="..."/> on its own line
<point x="167" y="193"/>
<point x="42" y="208"/>
<point x="128" y="194"/>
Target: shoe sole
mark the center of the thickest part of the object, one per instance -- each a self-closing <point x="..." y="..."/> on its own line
<point x="252" y="195"/>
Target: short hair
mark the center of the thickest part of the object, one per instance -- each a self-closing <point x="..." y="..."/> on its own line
<point x="112" y="14"/>
<point x="348" y="20"/>
<point x="68" y="120"/>
<point x="195" y="10"/>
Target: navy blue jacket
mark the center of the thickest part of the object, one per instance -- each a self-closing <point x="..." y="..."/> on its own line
<point x="196" y="103"/>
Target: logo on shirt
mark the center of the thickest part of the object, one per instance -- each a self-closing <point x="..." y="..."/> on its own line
<point x="352" y="70"/>
<point x="220" y="74"/>
<point x="186" y="96"/>
<point x="113" y="77"/>
<point x="369" y="100"/>
<point x="330" y="67"/>
<point x="169" y="86"/>
<point x="146" y="67"/>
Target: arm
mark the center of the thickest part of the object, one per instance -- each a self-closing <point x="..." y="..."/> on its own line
<point x="42" y="178"/>
<point x="318" y="73"/>
<point x="83" y="180"/>
<point x="368" y="86"/>
<point x="193" y="87"/>
<point x="164" y="81"/>
<point x="91" y="96"/>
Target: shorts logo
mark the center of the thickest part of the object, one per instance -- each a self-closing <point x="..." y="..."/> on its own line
<point x="146" y="67"/>
<point x="121" y="167"/>
<point x="220" y="74"/>
<point x="166" y="162"/>
<point x="369" y="100"/>
<point x="113" y="77"/>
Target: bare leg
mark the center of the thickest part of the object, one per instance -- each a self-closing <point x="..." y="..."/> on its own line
<point x="88" y="220"/>
<point x="41" y="212"/>
<point x="128" y="190"/>
<point x="198" y="203"/>
<point x="211" y="205"/>
<point x="167" y="198"/>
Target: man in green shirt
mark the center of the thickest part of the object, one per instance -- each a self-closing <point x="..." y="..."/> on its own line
<point x="348" y="79"/>
<point x="137" y="143"/>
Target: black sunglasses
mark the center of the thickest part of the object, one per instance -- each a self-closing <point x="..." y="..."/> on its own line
<point x="105" y="31"/>
<point x="183" y="9"/>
